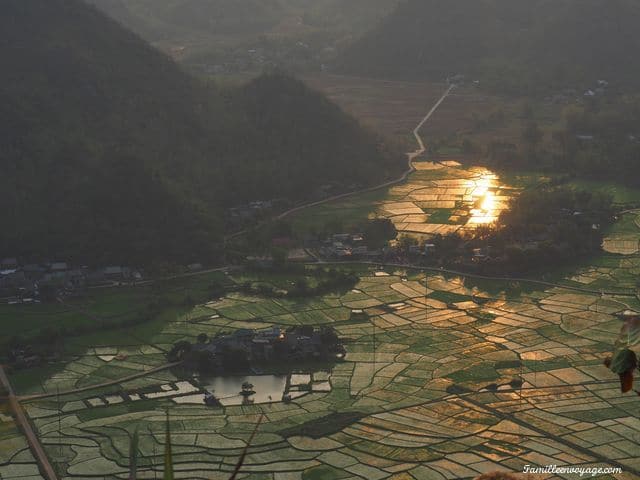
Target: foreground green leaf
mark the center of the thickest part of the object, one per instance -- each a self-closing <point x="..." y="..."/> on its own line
<point x="624" y="361"/>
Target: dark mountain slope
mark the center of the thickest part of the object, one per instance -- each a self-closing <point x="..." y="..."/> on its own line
<point x="513" y="44"/>
<point x="289" y="122"/>
<point x="109" y="152"/>
<point x="79" y="96"/>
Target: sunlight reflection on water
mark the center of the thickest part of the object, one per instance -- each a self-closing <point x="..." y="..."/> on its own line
<point x="487" y="209"/>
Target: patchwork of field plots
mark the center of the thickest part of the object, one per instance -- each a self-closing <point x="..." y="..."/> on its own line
<point x="16" y="461"/>
<point x="393" y="108"/>
<point x="624" y="239"/>
<point x="619" y="269"/>
<point x="442" y="380"/>
<point x="438" y="198"/>
<point x="442" y="198"/>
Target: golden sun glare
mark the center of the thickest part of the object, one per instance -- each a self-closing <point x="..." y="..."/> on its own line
<point x="485" y="199"/>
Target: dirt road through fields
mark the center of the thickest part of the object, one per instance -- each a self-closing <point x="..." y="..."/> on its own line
<point x="411" y="156"/>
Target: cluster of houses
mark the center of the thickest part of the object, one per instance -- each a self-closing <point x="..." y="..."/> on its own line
<point x="245" y="348"/>
<point x="24" y="358"/>
<point x="599" y="89"/>
<point x="570" y="95"/>
<point x="252" y="210"/>
<point x="344" y="246"/>
<point x="266" y="55"/>
<point x="25" y="283"/>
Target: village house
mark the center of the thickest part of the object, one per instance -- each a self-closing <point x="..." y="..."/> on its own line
<point x="116" y="273"/>
<point x="33" y="271"/>
<point x="341" y="237"/>
<point x="429" y="249"/>
<point x="345" y="246"/>
<point x="457" y="79"/>
<point x="58" y="266"/>
<point x="359" y="251"/>
<point x="260" y="261"/>
<point x="480" y="254"/>
<point x="11" y="281"/>
<point x="298" y="255"/>
<point x="10" y="263"/>
<point x="584" y="137"/>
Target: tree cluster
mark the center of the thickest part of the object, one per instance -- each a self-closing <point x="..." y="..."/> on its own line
<point x="548" y="226"/>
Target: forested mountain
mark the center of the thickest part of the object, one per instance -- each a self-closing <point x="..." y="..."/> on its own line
<point x="109" y="152"/>
<point x="519" y="45"/>
<point x="240" y="35"/>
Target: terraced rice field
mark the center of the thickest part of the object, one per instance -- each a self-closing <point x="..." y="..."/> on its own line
<point x="444" y="378"/>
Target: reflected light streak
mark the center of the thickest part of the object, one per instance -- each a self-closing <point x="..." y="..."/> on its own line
<point x="486" y="210"/>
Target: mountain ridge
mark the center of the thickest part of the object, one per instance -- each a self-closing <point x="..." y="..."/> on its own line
<point x="523" y="46"/>
<point x="109" y="152"/>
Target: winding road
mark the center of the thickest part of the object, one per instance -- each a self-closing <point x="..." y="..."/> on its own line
<point x="411" y="156"/>
<point x="416" y="132"/>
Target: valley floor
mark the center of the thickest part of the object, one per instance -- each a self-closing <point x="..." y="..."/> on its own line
<point x="429" y="377"/>
<point x="445" y="376"/>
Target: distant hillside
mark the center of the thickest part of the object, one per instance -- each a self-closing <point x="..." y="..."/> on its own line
<point x="509" y="44"/>
<point x="245" y="35"/>
<point x="110" y="153"/>
<point x="157" y="19"/>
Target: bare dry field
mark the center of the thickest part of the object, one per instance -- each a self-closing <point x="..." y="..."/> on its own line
<point x="393" y="108"/>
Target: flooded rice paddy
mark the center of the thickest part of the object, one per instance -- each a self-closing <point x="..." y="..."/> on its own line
<point x="442" y="198"/>
<point x="430" y="371"/>
<point x="438" y="198"/>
